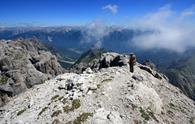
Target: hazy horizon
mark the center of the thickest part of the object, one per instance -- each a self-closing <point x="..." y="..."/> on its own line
<point x="172" y="22"/>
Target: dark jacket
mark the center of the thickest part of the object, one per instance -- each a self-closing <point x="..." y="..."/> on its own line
<point x="132" y="60"/>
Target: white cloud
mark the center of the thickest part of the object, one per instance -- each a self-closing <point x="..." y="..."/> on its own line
<point x="188" y="12"/>
<point x="111" y="7"/>
<point x="94" y="32"/>
<point x="170" y="30"/>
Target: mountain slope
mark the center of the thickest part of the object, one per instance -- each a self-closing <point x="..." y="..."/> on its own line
<point x="109" y="96"/>
<point x="23" y="64"/>
<point x="87" y="59"/>
<point x="182" y="75"/>
<point x="70" y="42"/>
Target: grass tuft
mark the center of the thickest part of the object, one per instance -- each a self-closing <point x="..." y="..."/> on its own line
<point x="147" y="114"/>
<point x="144" y="114"/>
<point x="44" y="109"/>
<point x="21" y="111"/>
<point x="82" y="118"/>
<point x="75" y="105"/>
<point x="54" y="97"/>
<point x="3" y="79"/>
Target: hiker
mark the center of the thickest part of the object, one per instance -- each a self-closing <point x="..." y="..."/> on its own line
<point x="132" y="61"/>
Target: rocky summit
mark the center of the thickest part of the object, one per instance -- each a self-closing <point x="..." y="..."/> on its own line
<point x="109" y="95"/>
<point x="23" y="64"/>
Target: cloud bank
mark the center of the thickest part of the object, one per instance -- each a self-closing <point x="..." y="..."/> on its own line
<point x="167" y="28"/>
<point x="111" y="8"/>
<point x="163" y="29"/>
<point x="94" y="33"/>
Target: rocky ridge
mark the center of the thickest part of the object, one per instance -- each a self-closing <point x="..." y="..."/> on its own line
<point x="97" y="59"/>
<point x="110" y="95"/>
<point x="23" y="64"/>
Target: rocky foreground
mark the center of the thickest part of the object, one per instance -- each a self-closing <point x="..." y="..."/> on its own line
<point x="111" y="95"/>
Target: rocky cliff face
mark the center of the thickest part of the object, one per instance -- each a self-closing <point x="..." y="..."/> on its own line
<point x="109" y="95"/>
<point x="23" y="64"/>
<point x="182" y="75"/>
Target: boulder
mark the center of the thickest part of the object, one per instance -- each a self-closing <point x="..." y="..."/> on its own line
<point x="113" y="59"/>
<point x="118" y="61"/>
<point x="104" y="60"/>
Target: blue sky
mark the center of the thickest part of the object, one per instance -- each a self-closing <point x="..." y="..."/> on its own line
<point x="79" y="12"/>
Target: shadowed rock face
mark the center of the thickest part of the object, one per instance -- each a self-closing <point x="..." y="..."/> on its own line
<point x="23" y="64"/>
<point x="97" y="59"/>
<point x="182" y="75"/>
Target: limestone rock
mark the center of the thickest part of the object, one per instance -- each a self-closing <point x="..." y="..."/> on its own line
<point x="88" y="71"/>
<point x="111" y="95"/>
<point x="95" y="63"/>
<point x="25" y="63"/>
<point x="103" y="116"/>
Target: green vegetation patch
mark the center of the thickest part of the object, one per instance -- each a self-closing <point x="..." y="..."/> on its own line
<point x="66" y="109"/>
<point x="54" y="97"/>
<point x="21" y="111"/>
<point x="75" y="105"/>
<point x="147" y="114"/>
<point x="144" y="114"/>
<point x="151" y="114"/>
<point x="3" y="79"/>
<point x="90" y="55"/>
<point x="56" y="113"/>
<point x="82" y="118"/>
<point x="43" y="110"/>
<point x="177" y="108"/>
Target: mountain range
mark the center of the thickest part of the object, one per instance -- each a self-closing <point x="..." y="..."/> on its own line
<point x="70" y="43"/>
